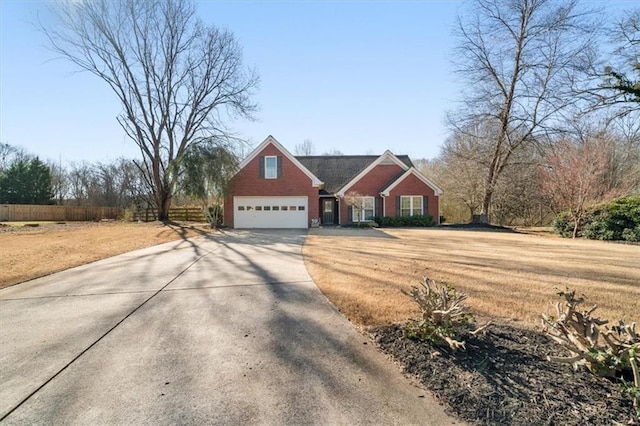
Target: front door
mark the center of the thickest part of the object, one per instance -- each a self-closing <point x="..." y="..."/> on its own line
<point x="327" y="212"/>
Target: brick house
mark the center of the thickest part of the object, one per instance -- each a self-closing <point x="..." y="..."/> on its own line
<point x="274" y="189"/>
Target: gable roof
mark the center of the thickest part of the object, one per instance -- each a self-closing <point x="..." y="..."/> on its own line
<point x="336" y="171"/>
<point x="335" y="174"/>
<point x="412" y="171"/>
<point x="315" y="181"/>
<point x="386" y="158"/>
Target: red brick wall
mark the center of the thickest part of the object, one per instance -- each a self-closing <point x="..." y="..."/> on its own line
<point x="292" y="183"/>
<point x="370" y="185"/>
<point x="411" y="185"/>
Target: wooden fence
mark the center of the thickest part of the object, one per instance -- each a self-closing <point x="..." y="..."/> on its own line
<point x="187" y="214"/>
<point x="24" y="212"/>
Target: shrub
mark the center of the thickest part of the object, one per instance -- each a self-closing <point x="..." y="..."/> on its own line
<point x="631" y="234"/>
<point x="363" y="224"/>
<point x="605" y="351"/>
<point x="563" y="225"/>
<point x="444" y="315"/>
<point x="398" y="221"/>
<point x="623" y="218"/>
<point x="128" y="214"/>
<point x="214" y="215"/>
<point x="616" y="220"/>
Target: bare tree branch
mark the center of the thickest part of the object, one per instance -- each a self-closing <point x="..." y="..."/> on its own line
<point x="178" y="80"/>
<point x="516" y="57"/>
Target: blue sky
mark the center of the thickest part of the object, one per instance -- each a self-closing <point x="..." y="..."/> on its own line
<point x="356" y="76"/>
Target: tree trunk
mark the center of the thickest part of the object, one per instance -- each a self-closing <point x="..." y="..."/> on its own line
<point x="575" y="228"/>
<point x="480" y="218"/>
<point x="163" y="204"/>
<point x="483" y="217"/>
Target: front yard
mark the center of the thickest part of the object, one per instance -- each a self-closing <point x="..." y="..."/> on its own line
<point x="503" y="376"/>
<point x="32" y="250"/>
<point x="507" y="275"/>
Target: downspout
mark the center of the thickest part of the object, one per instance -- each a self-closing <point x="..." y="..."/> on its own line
<point x="384" y="204"/>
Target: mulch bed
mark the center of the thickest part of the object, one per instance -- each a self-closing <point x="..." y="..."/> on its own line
<point x="472" y="226"/>
<point x="503" y="378"/>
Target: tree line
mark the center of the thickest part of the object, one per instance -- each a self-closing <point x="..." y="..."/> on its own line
<point x="25" y="179"/>
<point x="201" y="179"/>
<point x="549" y="120"/>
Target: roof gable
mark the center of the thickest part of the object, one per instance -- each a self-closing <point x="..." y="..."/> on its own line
<point x="270" y="140"/>
<point x="411" y="171"/>
<point x="385" y="159"/>
<point x="338" y="170"/>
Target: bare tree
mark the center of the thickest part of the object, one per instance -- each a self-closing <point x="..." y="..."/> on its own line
<point x="625" y="155"/>
<point x="79" y="180"/>
<point x="305" y="148"/>
<point x="178" y="80"/>
<point x="355" y="203"/>
<point x="10" y="154"/>
<point x="461" y="176"/>
<point x="575" y="176"/>
<point x="459" y="171"/>
<point x="615" y="86"/>
<point x="517" y="200"/>
<point x="518" y="60"/>
<point x="450" y="176"/>
<point x="114" y="184"/>
<point x="59" y="181"/>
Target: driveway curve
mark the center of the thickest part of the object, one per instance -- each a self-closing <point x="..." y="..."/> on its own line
<point x="223" y="329"/>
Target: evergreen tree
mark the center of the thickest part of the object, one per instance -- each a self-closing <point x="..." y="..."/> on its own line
<point x="26" y="182"/>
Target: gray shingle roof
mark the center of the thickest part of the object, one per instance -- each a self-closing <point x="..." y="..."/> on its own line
<point x="337" y="170"/>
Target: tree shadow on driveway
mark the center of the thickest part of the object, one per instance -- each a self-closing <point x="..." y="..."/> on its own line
<point x="315" y="363"/>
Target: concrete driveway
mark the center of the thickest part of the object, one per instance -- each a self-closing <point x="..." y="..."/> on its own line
<point x="227" y="329"/>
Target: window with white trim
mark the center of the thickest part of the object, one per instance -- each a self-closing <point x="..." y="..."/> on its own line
<point x="362" y="209"/>
<point x="411" y="205"/>
<point x="271" y="167"/>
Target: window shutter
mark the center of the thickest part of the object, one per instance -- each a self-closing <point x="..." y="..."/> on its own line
<point x="350" y="214"/>
<point x="398" y="206"/>
<point x="279" y="161"/>
<point x="261" y="168"/>
<point x="425" y="205"/>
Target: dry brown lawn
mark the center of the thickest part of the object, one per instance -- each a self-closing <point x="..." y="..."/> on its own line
<point x="31" y="252"/>
<point x="507" y="275"/>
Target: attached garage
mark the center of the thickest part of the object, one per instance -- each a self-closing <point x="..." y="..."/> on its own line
<point x="271" y="212"/>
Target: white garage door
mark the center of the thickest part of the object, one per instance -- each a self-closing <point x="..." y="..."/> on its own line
<point x="270" y="212"/>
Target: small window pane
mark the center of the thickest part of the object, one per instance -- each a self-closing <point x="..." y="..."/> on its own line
<point x="284" y="208"/>
<point x="300" y="208"/>
<point x="258" y="208"/>
<point x="270" y="167"/>
<point x="275" y="208"/>
<point x="241" y="208"/>
<point x="292" y="208"/>
<point x="416" y="208"/>
<point x="363" y="209"/>
<point x="267" y="208"/>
